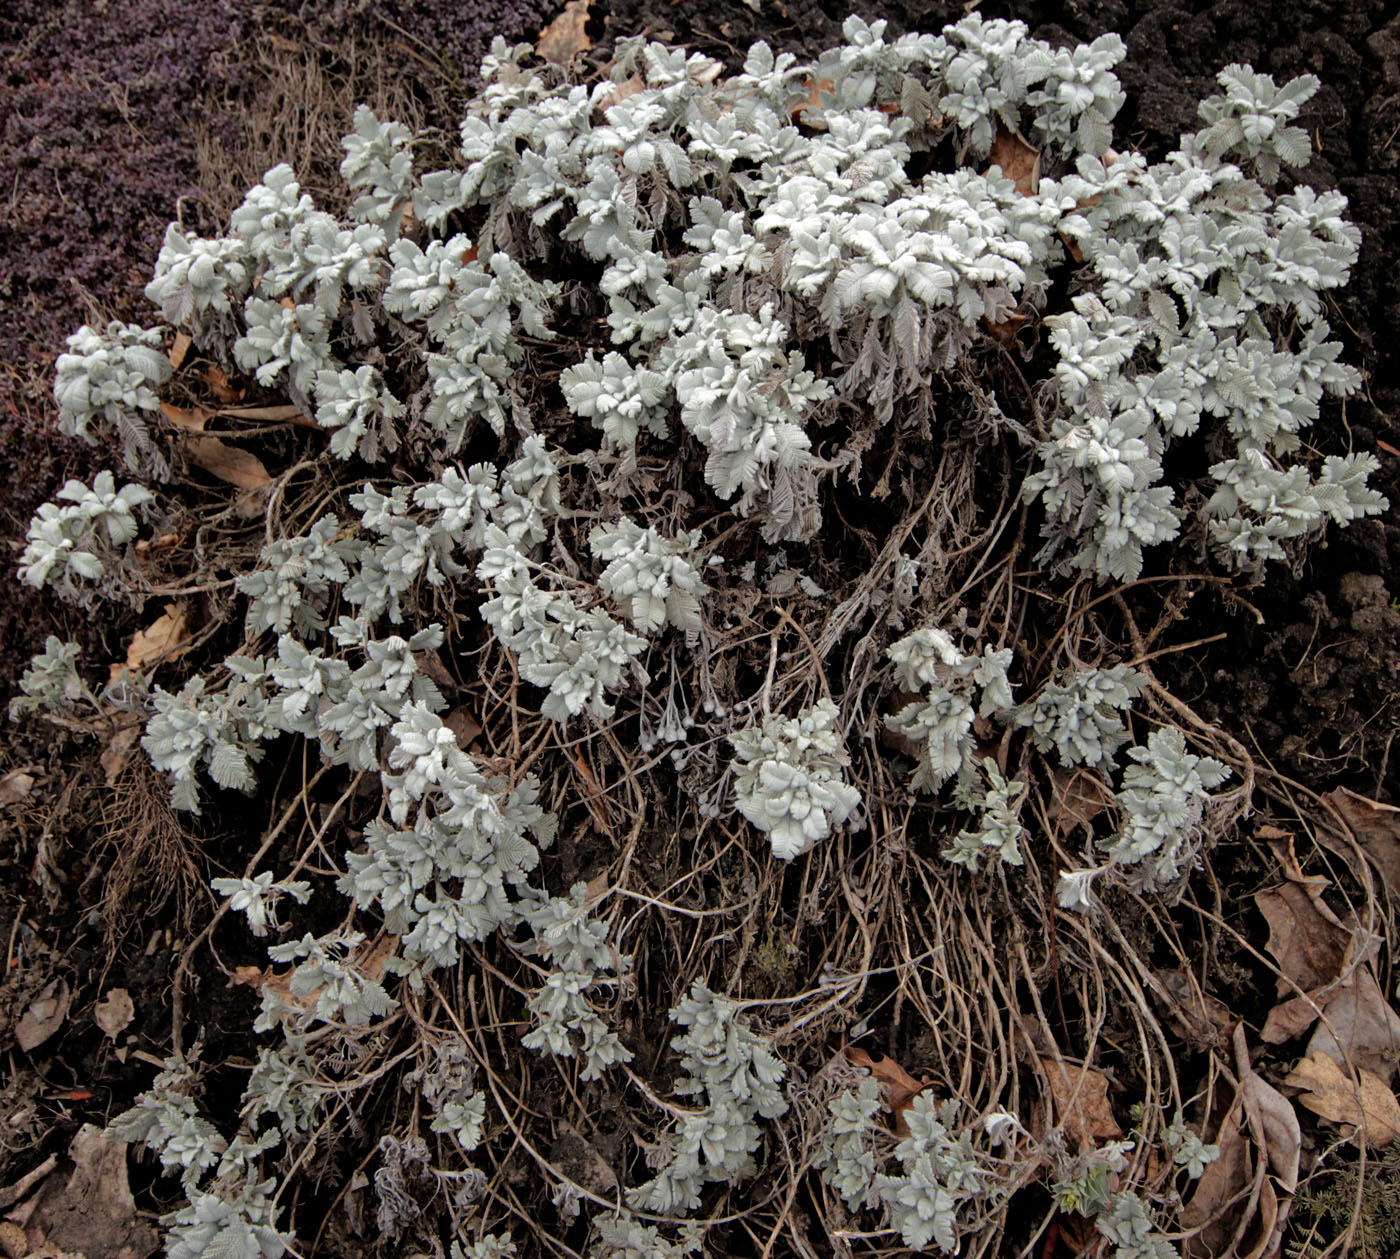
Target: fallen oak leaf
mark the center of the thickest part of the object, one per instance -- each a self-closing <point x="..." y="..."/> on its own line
<point x="288" y="413"/>
<point x="1358" y="1026"/>
<point x="15" y="786"/>
<point x="1376" y="827"/>
<point x="179" y="349"/>
<point x="218" y="382"/>
<point x="1360" y="1103"/>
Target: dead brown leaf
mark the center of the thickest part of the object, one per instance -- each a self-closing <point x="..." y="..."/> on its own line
<point x="163" y="639"/>
<point x="117" y="750"/>
<point x="1377" y="830"/>
<point x="92" y="1214"/>
<point x="368" y="960"/>
<point x="1222" y="1183"/>
<point x="15" y="786"/>
<point x="219" y="385"/>
<point x="897" y="1087"/>
<point x="178" y="350"/>
<point x="113" y="1014"/>
<point x="1273" y="1124"/>
<point x="238" y="467"/>
<point x="1081" y="1103"/>
<point x="1079" y="797"/>
<point x="1311" y="948"/>
<point x="270" y="415"/>
<point x="1358" y="1026"/>
<point x="565" y="37"/>
<point x="1360" y="1103"/>
<point x="814" y="98"/>
<point x="44" y="1016"/>
<point x="465" y="728"/>
<point x="190" y="421"/>
<point x="1018" y="161"/>
<point x="621" y="91"/>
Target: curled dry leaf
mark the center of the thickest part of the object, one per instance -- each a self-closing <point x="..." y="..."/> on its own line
<point x="1019" y="162"/>
<point x="1360" y="1102"/>
<point x="897" y="1087"/>
<point x="44" y="1016"/>
<point x="15" y="785"/>
<point x="1359" y="1027"/>
<point x="368" y="960"/>
<point x="219" y="385"/>
<point x="165" y="638"/>
<point x="1312" y="949"/>
<point x="238" y="467"/>
<point x="566" y="37"/>
<point x="179" y="349"/>
<point x="1273" y="1124"/>
<point x="93" y="1214"/>
<point x="190" y="421"/>
<point x="1081" y="1103"/>
<point x="1377" y="830"/>
<point x="114" y="1012"/>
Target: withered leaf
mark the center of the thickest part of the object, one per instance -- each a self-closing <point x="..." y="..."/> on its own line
<point x="178" y="350"/>
<point x="566" y="37"/>
<point x="44" y="1016"/>
<point x="897" y="1087"/>
<point x="165" y="638"/>
<point x="238" y="467"/>
<point x="1018" y="161"/>
<point x="114" y="1012"/>
<point x="1361" y="1103"/>
<point x="15" y="785"/>
<point x="1377" y="830"/>
<point x="1359" y="1026"/>
<point x="1081" y="1103"/>
<point x="1310" y="945"/>
<point x="191" y="421"/>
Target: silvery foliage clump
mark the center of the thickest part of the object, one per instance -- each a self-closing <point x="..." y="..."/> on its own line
<point x="789" y="778"/>
<point x="1207" y="307"/>
<point x="76" y="537"/>
<point x="1082" y="719"/>
<point x="998" y="832"/>
<point x="359" y="410"/>
<point x="953" y="689"/>
<point x="233" y="1212"/>
<point x="293" y="590"/>
<point x="113" y="376"/>
<point x="653" y="578"/>
<point x="812" y="275"/>
<point x="944" y="1178"/>
<point x="736" y="1077"/>
<point x="51" y="682"/>
<point x="619" y="1236"/>
<point x="199" y="284"/>
<point x="256" y="898"/>
<point x="1161" y="802"/>
<point x="566" y="1022"/>
<point x="379" y="166"/>
<point x="1254" y="118"/>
